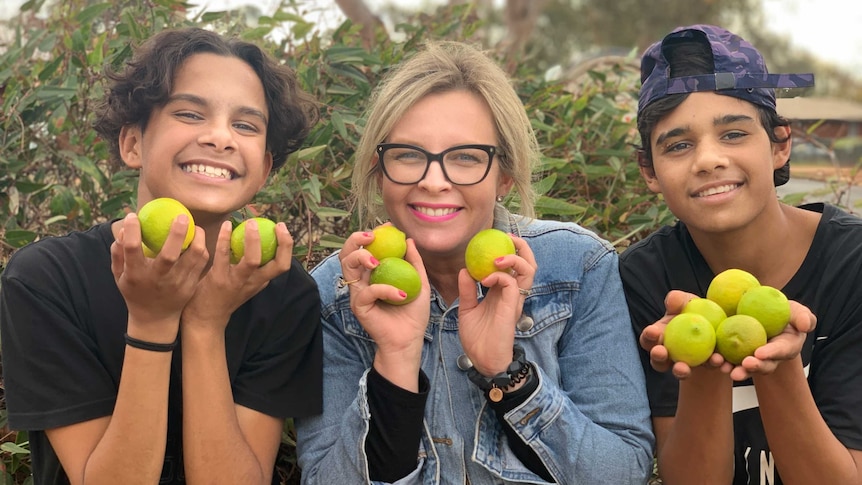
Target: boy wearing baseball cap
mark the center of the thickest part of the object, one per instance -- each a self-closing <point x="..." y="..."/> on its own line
<point x="715" y="148"/>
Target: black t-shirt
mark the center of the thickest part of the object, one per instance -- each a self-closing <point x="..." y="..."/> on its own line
<point x="62" y="320"/>
<point x="829" y="282"/>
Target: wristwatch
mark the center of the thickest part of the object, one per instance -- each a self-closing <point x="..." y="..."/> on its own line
<point x="495" y="385"/>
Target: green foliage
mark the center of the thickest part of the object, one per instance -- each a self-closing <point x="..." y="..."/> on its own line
<point x="15" y="452"/>
<point x="587" y="132"/>
<point x="55" y="175"/>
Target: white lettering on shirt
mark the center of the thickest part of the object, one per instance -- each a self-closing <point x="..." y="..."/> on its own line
<point x="767" y="468"/>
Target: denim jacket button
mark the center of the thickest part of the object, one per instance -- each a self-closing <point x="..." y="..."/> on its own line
<point x="464" y="362"/>
<point x="525" y="323"/>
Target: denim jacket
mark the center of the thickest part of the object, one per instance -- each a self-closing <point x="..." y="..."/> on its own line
<point x="588" y="421"/>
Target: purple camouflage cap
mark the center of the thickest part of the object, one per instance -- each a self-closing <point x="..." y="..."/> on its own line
<point x="740" y="71"/>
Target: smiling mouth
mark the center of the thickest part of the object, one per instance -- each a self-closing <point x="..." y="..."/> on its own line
<point x="721" y="189"/>
<point x="208" y="171"/>
<point x="438" y="212"/>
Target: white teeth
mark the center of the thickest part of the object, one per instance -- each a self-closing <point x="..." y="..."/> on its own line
<point x="436" y="212"/>
<point x="209" y="171"/>
<point x="717" y="190"/>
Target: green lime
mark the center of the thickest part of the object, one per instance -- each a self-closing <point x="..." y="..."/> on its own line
<point x="727" y="287"/>
<point x="156" y="217"/>
<point x="148" y="252"/>
<point x="389" y="242"/>
<point x="268" y="241"/>
<point x="400" y="274"/>
<point x="689" y="338"/>
<point x="738" y="336"/>
<point x="706" y="307"/>
<point x="769" y="306"/>
<point x="485" y="247"/>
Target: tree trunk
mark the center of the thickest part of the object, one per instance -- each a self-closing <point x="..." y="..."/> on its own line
<point x="521" y="17"/>
<point x="359" y="14"/>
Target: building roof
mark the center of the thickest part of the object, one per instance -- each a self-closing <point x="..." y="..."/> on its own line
<point x="816" y="109"/>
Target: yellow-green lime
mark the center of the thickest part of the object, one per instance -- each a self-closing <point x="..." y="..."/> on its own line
<point x="389" y="242"/>
<point x="689" y="338"/>
<point x="727" y="287"/>
<point x="156" y="217"/>
<point x="400" y="274"/>
<point x="148" y="252"/>
<point x="268" y="241"/>
<point x="768" y="305"/>
<point x="738" y="336"/>
<point x="485" y="247"/>
<point x="706" y="307"/>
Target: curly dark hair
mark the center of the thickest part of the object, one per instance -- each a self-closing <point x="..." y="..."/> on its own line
<point x="146" y="81"/>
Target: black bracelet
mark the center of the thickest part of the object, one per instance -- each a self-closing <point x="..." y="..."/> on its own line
<point x="515" y="373"/>
<point x="152" y="346"/>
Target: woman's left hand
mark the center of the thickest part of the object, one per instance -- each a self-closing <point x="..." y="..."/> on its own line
<point x="487" y="329"/>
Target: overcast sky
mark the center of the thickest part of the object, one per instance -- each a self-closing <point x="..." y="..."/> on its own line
<point x="829" y="29"/>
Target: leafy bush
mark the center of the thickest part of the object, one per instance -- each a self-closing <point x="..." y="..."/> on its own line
<point x="55" y="175"/>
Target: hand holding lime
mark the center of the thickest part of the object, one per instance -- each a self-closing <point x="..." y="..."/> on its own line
<point x="400" y="274"/>
<point x="268" y="241"/>
<point x="769" y="306"/>
<point x="689" y="338"/>
<point x="738" y="336"/>
<point x="389" y="242"/>
<point x="148" y="252"/>
<point x="156" y="217"/>
<point x="483" y="249"/>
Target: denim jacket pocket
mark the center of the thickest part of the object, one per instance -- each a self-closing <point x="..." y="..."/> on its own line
<point x="548" y="304"/>
<point x="352" y="327"/>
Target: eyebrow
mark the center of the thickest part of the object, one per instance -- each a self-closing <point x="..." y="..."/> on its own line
<point x="718" y="121"/>
<point x="197" y="100"/>
<point x="669" y="134"/>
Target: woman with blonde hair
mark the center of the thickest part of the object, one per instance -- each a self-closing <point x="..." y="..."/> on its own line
<point x="530" y="375"/>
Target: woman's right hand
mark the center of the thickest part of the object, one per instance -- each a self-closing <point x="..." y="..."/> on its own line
<point x="398" y="330"/>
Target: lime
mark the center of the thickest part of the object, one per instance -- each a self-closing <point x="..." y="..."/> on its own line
<point x="768" y="305"/>
<point x="689" y="338"/>
<point x="485" y="247"/>
<point x="156" y="217"/>
<point x="706" y="307"/>
<point x="738" y="336"/>
<point x="389" y="242"/>
<point x="400" y="274"/>
<point x="147" y="251"/>
<point x="727" y="287"/>
<point x="268" y="241"/>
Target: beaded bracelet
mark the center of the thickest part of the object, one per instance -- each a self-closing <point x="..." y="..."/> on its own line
<point x="515" y="373"/>
<point x="152" y="346"/>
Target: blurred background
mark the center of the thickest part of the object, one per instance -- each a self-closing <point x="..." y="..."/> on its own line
<point x="574" y="64"/>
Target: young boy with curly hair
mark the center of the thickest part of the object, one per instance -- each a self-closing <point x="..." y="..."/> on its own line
<point x="128" y="369"/>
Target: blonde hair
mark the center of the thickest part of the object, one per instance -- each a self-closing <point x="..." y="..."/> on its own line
<point x="441" y="67"/>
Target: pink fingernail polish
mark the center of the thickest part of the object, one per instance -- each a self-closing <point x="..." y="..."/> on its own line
<point x="403" y="295"/>
<point x="374" y="261"/>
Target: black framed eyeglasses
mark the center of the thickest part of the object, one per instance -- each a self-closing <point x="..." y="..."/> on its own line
<point x="462" y="164"/>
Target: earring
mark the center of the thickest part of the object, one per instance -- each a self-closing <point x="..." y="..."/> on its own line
<point x="499" y="198"/>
